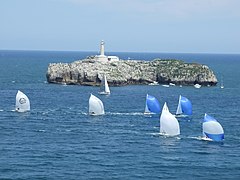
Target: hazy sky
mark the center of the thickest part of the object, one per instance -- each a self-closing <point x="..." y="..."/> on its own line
<point x="202" y="26"/>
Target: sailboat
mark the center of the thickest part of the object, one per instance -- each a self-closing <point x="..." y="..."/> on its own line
<point x="22" y="102"/>
<point x="95" y="106"/>
<point x="104" y="88"/>
<point x="154" y="83"/>
<point x="184" y="107"/>
<point x="166" y="85"/>
<point x="212" y="129"/>
<point x="152" y="105"/>
<point x="222" y="86"/>
<point x="168" y="123"/>
<point x="197" y="86"/>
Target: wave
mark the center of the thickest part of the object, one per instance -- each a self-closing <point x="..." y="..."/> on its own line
<point x="71" y="110"/>
<point x="126" y="114"/>
<point x="164" y="135"/>
<point x="41" y="130"/>
<point x="154" y="134"/>
<point x="83" y="113"/>
<point x="200" y="138"/>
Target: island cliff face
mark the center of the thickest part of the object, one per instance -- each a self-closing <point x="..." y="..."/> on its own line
<point x="127" y="72"/>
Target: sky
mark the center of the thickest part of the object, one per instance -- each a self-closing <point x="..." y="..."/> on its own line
<point x="168" y="26"/>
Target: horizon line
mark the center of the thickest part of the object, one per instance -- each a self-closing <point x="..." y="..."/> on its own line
<point x="38" y="50"/>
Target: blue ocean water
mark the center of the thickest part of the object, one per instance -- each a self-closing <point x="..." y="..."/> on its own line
<point x="58" y="140"/>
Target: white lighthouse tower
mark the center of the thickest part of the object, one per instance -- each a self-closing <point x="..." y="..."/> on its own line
<point x="102" y="48"/>
<point x="103" y="57"/>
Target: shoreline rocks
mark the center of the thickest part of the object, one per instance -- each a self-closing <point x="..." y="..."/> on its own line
<point x="130" y="72"/>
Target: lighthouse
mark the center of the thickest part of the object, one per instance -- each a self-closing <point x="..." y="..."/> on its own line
<point x="103" y="57"/>
<point x="102" y="48"/>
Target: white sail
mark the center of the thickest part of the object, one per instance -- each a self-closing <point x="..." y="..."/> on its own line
<point x="107" y="90"/>
<point x="104" y="88"/>
<point x="22" y="102"/>
<point x="222" y="86"/>
<point x="168" y="123"/>
<point x="146" y="111"/>
<point x="179" y="108"/>
<point x="95" y="106"/>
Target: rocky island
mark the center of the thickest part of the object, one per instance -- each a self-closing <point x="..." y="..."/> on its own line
<point x="90" y="71"/>
<point x="125" y="72"/>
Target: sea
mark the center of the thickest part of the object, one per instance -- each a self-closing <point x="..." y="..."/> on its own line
<point x="57" y="139"/>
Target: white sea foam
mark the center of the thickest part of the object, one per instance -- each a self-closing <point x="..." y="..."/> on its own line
<point x="126" y="114"/>
<point x="206" y="139"/>
<point x="41" y="130"/>
<point x="83" y="113"/>
<point x="200" y="138"/>
<point x="154" y="134"/>
<point x="163" y="134"/>
<point x="167" y="135"/>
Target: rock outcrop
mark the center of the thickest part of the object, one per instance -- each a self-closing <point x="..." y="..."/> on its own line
<point x="125" y="72"/>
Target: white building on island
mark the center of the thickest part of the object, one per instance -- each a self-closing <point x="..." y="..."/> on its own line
<point x="103" y="57"/>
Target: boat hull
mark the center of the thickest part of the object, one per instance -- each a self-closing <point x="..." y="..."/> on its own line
<point x="104" y="93"/>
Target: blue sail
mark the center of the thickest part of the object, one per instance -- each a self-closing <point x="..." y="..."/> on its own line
<point x="212" y="129"/>
<point x="186" y="106"/>
<point x="152" y="105"/>
<point x="208" y="118"/>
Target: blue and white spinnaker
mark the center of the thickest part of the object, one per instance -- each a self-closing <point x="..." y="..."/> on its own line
<point x="152" y="105"/>
<point x="212" y="129"/>
<point x="184" y="106"/>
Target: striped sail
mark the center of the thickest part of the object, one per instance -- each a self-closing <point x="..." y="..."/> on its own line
<point x="212" y="129"/>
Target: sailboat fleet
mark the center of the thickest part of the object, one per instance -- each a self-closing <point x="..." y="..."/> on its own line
<point x="169" y="125"/>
